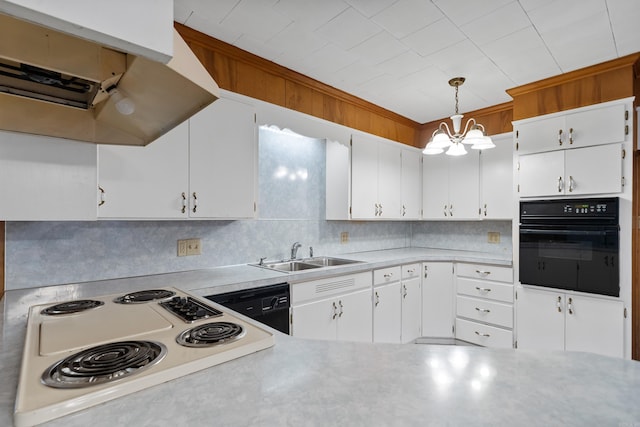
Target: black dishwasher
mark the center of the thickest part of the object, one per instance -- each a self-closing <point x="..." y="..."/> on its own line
<point x="268" y="304"/>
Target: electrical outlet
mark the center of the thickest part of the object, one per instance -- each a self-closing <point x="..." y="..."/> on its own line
<point x="187" y="247"/>
<point x="344" y="237"/>
<point x="182" y="247"/>
<point x="194" y="247"/>
<point x="493" y="237"/>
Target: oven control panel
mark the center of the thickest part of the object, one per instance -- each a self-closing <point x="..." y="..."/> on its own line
<point x="585" y="208"/>
<point x="604" y="209"/>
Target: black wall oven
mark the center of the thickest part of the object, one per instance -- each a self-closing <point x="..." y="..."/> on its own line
<point x="571" y="244"/>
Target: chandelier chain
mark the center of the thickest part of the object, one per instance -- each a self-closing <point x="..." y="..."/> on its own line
<point x="457" y="99"/>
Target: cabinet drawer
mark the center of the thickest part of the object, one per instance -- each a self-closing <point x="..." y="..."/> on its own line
<point x="410" y="271"/>
<point x="323" y="288"/>
<point x="485" y="335"/>
<point x="386" y="275"/>
<point x="483" y="310"/>
<point x="485" y="289"/>
<point x="485" y="272"/>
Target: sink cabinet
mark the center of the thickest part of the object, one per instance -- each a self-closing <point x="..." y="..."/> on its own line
<point x="337" y="308"/>
<point x="204" y="168"/>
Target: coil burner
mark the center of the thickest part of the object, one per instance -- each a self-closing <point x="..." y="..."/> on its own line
<point x="71" y="307"/>
<point x="210" y="334"/>
<point x="104" y="363"/>
<point x="140" y="297"/>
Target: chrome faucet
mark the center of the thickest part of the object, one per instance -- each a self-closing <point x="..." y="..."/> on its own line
<point x="294" y="250"/>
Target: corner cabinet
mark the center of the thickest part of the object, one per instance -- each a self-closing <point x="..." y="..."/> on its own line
<point x="450" y="188"/>
<point x="46" y="179"/>
<point x="550" y="320"/>
<point x="337" y="308"/>
<point x="437" y="300"/>
<point x="203" y="168"/>
<point x="496" y="179"/>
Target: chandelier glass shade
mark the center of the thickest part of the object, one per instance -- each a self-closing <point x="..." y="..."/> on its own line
<point x="473" y="133"/>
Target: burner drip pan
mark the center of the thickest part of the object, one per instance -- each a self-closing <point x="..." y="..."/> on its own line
<point x="210" y="334"/>
<point x="104" y="363"/>
<point x="140" y="297"/>
<point x="70" y="307"/>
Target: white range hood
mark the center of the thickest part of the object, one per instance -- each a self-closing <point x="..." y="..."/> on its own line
<point x="56" y="84"/>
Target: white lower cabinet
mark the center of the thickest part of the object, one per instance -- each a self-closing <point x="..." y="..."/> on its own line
<point x="337" y="308"/>
<point x="484" y="305"/>
<point x="551" y="320"/>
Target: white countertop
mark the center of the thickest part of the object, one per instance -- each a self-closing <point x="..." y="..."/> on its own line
<point x="303" y="382"/>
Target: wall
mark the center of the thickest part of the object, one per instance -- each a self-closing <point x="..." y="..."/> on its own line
<point x="50" y="253"/>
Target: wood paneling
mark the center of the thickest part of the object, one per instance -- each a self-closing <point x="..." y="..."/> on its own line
<point x="591" y="85"/>
<point x="242" y="72"/>
<point x="496" y="120"/>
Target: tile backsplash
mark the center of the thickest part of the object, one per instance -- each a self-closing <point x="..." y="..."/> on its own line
<point x="289" y="210"/>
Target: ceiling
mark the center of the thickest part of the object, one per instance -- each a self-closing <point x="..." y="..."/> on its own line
<point x="400" y="54"/>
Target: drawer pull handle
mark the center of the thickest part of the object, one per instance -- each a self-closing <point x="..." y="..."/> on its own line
<point x="388" y="275"/>
<point x="478" y="288"/>
<point x="482" y="335"/>
<point x="483" y="273"/>
<point x="411" y="270"/>
<point x="483" y="310"/>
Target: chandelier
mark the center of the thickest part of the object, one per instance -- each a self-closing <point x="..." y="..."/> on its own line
<point x="473" y="133"/>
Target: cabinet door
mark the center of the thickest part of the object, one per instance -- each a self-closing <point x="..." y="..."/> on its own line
<point x="540" y="319"/>
<point x="411" y="188"/>
<point x="435" y="187"/>
<point x="594" y="325"/>
<point x="437" y="299"/>
<point x="355" y="318"/>
<point x="464" y="186"/>
<point x="364" y="178"/>
<point x="315" y="320"/>
<point x="222" y="160"/>
<point x="146" y="182"/>
<point x="595" y="126"/>
<point x="387" y="313"/>
<point x="411" y="309"/>
<point x="43" y="178"/>
<point x="540" y="135"/>
<point x="496" y="179"/>
<point x="594" y="170"/>
<point x="390" y="180"/>
<point x="541" y="174"/>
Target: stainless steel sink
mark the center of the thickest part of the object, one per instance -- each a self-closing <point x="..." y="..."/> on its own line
<point x="326" y="261"/>
<point x="305" y="264"/>
<point x="289" y="266"/>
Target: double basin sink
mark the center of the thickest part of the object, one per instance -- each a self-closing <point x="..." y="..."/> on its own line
<point x="306" y="264"/>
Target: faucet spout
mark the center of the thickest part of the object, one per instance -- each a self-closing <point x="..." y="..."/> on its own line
<point x="294" y="250"/>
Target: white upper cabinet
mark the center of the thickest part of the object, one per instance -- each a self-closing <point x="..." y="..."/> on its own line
<point x="376" y="178"/>
<point x="451" y="188"/>
<point x="223" y="161"/>
<point x="590" y="170"/>
<point x="594" y="125"/>
<point x="496" y="179"/>
<point x="411" y="183"/>
<point x="204" y="168"/>
<point x="43" y="178"/>
<point x="146" y="182"/>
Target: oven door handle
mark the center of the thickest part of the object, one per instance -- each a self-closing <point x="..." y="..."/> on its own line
<point x="567" y="232"/>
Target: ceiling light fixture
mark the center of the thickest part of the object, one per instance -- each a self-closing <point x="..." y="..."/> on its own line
<point x="473" y="133"/>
